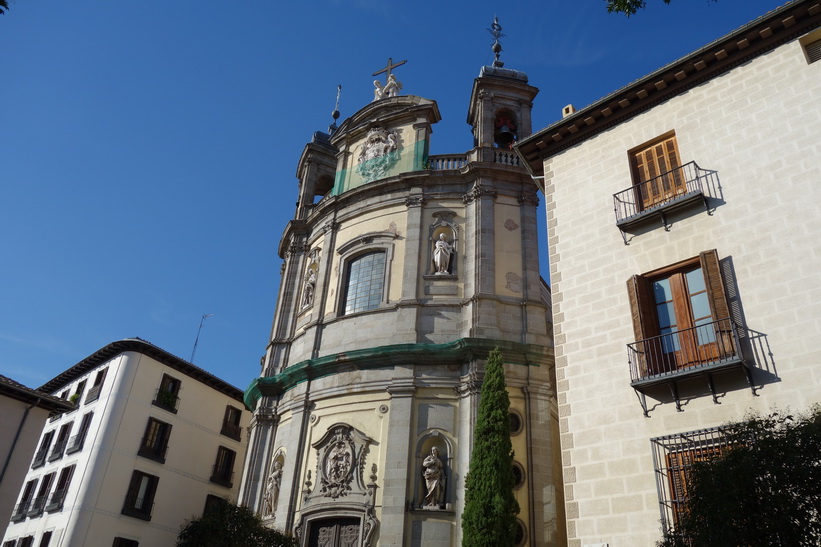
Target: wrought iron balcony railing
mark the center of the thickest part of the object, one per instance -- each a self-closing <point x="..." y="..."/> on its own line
<point x="167" y="400"/>
<point x="20" y="511"/>
<point x="93" y="393"/>
<point x="75" y="444"/>
<point x="36" y="506"/>
<point x="708" y="345"/>
<point x="39" y="458"/>
<point x="222" y="476"/>
<point x="59" y="448"/>
<point x="230" y="430"/>
<point x="667" y="191"/>
<point x="153" y="451"/>
<point x="55" y="503"/>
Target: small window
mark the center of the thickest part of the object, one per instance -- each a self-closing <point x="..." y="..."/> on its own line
<point x="364" y="283"/>
<point x="155" y="441"/>
<point x="224" y="467"/>
<point x="140" y="497"/>
<point x="55" y="503"/>
<point x="230" y="423"/>
<point x="39" y="502"/>
<point x="61" y="442"/>
<point x="42" y="451"/>
<point x="45" y="539"/>
<point x="94" y="392"/>
<point x="123" y="542"/>
<point x="75" y="444"/>
<point x="167" y="393"/>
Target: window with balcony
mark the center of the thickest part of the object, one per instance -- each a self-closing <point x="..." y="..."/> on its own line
<point x="55" y="502"/>
<point x="230" y="423"/>
<point x="682" y="324"/>
<point x="167" y="394"/>
<point x="60" y="443"/>
<point x="77" y="396"/>
<point x="662" y="184"/>
<point x="154" y="444"/>
<point x="10" y="543"/>
<point x="364" y="283"/>
<point x="94" y="392"/>
<point x="20" y="510"/>
<point x="38" y="504"/>
<point x="42" y="451"/>
<point x="223" y="473"/>
<point x="27" y="541"/>
<point x="673" y="458"/>
<point x="139" y="499"/>
<point x="75" y="444"/>
<point x="45" y="539"/>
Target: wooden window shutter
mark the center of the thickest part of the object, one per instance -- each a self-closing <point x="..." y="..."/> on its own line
<point x="715" y="284"/>
<point x="642" y="307"/>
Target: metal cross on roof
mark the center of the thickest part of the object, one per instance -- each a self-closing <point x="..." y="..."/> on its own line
<point x="388" y="68"/>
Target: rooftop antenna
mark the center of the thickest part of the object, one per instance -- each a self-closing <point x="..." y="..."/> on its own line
<point x="496" y="31"/>
<point x="335" y="113"/>
<point x="196" y="341"/>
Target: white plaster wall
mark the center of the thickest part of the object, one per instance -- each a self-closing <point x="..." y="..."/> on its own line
<point x="758" y="127"/>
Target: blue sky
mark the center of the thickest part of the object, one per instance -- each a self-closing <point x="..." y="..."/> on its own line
<point x="148" y="149"/>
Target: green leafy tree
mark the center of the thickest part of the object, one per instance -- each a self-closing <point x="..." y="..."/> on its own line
<point x="227" y="525"/>
<point x="629" y="7"/>
<point x="764" y="489"/>
<point x="4" y="6"/>
<point x="489" y="519"/>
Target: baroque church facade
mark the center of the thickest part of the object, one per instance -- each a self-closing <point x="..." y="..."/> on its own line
<point x="402" y="270"/>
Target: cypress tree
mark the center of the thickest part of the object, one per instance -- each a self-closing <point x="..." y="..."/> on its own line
<point x="490" y="512"/>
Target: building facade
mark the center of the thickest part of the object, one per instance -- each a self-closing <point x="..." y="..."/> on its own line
<point x="24" y="412"/>
<point x="151" y="440"/>
<point x="683" y="217"/>
<point x="402" y="270"/>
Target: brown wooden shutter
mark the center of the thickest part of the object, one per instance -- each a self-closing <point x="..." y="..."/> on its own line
<point x="715" y="284"/>
<point x="642" y="307"/>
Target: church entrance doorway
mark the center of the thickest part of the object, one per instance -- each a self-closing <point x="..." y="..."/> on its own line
<point x="334" y="532"/>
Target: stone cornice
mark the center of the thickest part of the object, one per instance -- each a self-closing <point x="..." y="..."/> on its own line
<point x="752" y="40"/>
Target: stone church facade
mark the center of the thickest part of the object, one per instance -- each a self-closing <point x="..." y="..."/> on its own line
<point x="401" y="272"/>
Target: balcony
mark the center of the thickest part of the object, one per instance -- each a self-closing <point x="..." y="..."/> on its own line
<point x="679" y="188"/>
<point x="153" y="451"/>
<point x="20" y="510"/>
<point x="40" y="458"/>
<point x="56" y="501"/>
<point x="443" y="163"/>
<point x="59" y="448"/>
<point x="138" y="508"/>
<point x="36" y="507"/>
<point x="75" y="444"/>
<point x="699" y="351"/>
<point x="232" y="431"/>
<point x="167" y="400"/>
<point x="223" y="477"/>
<point x="93" y="393"/>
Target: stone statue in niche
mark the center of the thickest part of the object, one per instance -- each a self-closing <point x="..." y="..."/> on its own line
<point x="310" y="287"/>
<point x="442" y="251"/>
<point x="434" y="474"/>
<point x="269" y="502"/>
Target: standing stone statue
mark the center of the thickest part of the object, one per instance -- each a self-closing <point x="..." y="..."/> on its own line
<point x="310" y="286"/>
<point x="392" y="87"/>
<point x="434" y="479"/>
<point x="441" y="255"/>
<point x="272" y="490"/>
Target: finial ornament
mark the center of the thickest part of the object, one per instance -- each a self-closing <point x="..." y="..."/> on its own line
<point x="335" y="113"/>
<point x="392" y="85"/>
<point x="496" y="31"/>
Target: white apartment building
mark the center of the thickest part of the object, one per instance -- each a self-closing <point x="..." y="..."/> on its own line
<point x="152" y="440"/>
<point x="684" y="213"/>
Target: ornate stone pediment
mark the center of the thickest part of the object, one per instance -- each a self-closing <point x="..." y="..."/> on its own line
<point x="341" y="454"/>
<point x="378" y="154"/>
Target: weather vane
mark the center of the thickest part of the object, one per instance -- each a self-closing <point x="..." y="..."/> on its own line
<point x="495" y="30"/>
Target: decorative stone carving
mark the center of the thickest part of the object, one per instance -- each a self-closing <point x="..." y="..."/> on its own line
<point x="379" y="153"/>
<point x="434" y="474"/>
<point x="444" y="239"/>
<point x="340" y="462"/>
<point x="391" y="89"/>
<point x="477" y="192"/>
